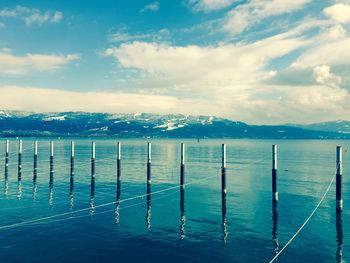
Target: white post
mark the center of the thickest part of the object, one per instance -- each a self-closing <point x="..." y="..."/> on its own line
<point x="339" y="175"/>
<point x="274" y="174"/>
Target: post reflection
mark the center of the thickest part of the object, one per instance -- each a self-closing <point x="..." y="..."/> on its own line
<point x="339" y="226"/>
<point x="274" y="228"/>
<point x="183" y="217"/>
<point x="51" y="194"/>
<point x="116" y="212"/>
<point x="71" y="193"/>
<point x="6" y="182"/>
<point x="224" y="220"/>
<point x="51" y="182"/>
<point x="92" y="197"/>
<point x="148" y="202"/>
<point x="19" y="192"/>
<point x="35" y="188"/>
<point x="35" y="185"/>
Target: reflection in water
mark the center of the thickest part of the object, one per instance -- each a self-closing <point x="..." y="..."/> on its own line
<point x="19" y="193"/>
<point x="339" y="226"/>
<point x="51" y="175"/>
<point x="274" y="227"/>
<point x="51" y="194"/>
<point x="51" y="182"/>
<point x="71" y="188"/>
<point x="224" y="221"/>
<point x="6" y="185"/>
<point x="71" y="193"/>
<point x="6" y="182"/>
<point x="182" y="210"/>
<point x="148" y="213"/>
<point x="35" y="187"/>
<point x="35" y="167"/>
<point x="51" y="178"/>
<point x="19" y="160"/>
<point x="116" y="212"/>
<point x="92" y="196"/>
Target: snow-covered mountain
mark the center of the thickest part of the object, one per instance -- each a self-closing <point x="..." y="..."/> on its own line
<point x="17" y="123"/>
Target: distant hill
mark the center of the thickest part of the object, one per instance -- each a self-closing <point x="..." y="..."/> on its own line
<point x="340" y="126"/>
<point x="83" y="124"/>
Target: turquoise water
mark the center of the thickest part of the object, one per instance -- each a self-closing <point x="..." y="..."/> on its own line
<point x="161" y="228"/>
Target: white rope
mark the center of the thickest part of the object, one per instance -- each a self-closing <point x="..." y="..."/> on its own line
<point x="102" y="212"/>
<point x="306" y="221"/>
<point x="98" y="206"/>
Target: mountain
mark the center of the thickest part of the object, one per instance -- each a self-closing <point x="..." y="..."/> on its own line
<point x="83" y="124"/>
<point x="340" y="126"/>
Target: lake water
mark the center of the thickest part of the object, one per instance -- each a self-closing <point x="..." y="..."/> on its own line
<point x="170" y="225"/>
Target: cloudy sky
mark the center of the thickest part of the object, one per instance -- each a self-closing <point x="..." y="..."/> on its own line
<point x="258" y="61"/>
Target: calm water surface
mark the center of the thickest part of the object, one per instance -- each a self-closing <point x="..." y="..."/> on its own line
<point x="173" y="226"/>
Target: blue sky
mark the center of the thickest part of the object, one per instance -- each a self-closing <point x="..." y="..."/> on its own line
<point x="260" y="61"/>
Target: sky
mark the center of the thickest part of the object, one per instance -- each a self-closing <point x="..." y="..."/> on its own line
<point x="257" y="61"/>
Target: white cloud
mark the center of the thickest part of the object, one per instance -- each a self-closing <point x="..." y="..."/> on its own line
<point x="47" y="17"/>
<point x="122" y="35"/>
<point x="225" y="79"/>
<point x="277" y="105"/>
<point x="248" y="14"/>
<point x="32" y="16"/>
<point x="2" y="25"/>
<point x="44" y="100"/>
<point x="209" y="5"/>
<point x="336" y="32"/>
<point x="332" y="53"/>
<point x="153" y="7"/>
<point x="12" y="64"/>
<point x="340" y="12"/>
<point x="235" y="77"/>
<point x="323" y="76"/>
<point x="209" y="66"/>
<point x="314" y="103"/>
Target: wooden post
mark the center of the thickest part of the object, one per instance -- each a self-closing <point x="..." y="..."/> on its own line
<point x="93" y="161"/>
<point x="72" y="160"/>
<point x="223" y="192"/>
<point x="274" y="174"/>
<point x="339" y="193"/>
<point x="92" y="192"/>
<point x="51" y="162"/>
<point x="119" y="157"/>
<point x="35" y="160"/>
<point x="35" y="169"/>
<point x="6" y="158"/>
<point x="71" y="185"/>
<point x="182" y="166"/>
<point x="148" y="163"/>
<point x="20" y="161"/>
<point x="149" y="191"/>
<point x="223" y="169"/>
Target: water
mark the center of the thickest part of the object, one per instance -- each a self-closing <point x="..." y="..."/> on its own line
<point x="170" y="225"/>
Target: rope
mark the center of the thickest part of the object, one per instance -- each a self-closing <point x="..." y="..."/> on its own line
<point x="98" y="206"/>
<point x="306" y="221"/>
<point x="102" y="212"/>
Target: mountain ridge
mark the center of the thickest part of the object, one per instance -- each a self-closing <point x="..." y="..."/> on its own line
<point x="90" y="124"/>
